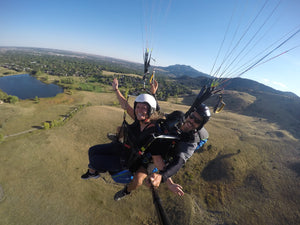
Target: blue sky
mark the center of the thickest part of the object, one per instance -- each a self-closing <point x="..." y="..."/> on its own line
<point x="189" y="32"/>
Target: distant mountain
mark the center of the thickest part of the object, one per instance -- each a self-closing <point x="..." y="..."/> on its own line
<point x="184" y="70"/>
<point x="187" y="75"/>
<point x="235" y="84"/>
<point x="250" y="86"/>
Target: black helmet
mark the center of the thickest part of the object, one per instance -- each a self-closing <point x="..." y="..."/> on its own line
<point x="171" y="124"/>
<point x="204" y="112"/>
<point x="175" y="120"/>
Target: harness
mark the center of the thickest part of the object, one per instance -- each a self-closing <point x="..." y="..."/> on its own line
<point x="132" y="153"/>
<point x="159" y="140"/>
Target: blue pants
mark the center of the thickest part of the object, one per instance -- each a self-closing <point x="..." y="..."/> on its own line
<point x="107" y="157"/>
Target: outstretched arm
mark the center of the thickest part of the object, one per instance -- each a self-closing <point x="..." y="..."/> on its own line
<point x="159" y="163"/>
<point x="167" y="172"/>
<point x="123" y="102"/>
<point x="175" y="188"/>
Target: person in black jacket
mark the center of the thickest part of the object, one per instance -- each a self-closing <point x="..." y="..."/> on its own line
<point x="193" y="136"/>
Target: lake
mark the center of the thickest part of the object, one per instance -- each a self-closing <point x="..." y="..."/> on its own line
<point x="25" y="86"/>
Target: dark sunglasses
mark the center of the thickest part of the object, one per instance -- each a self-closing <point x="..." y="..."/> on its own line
<point x="196" y="120"/>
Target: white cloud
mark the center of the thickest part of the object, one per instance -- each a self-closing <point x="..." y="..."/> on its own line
<point x="265" y="80"/>
<point x="274" y="84"/>
<point x="282" y="85"/>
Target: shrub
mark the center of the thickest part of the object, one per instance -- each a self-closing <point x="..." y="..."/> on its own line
<point x="36" y="99"/>
<point x="46" y="125"/>
<point x="3" y="95"/>
<point x="54" y="123"/>
<point x="67" y="80"/>
<point x="12" y="99"/>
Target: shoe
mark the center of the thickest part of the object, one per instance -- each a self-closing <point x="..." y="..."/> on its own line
<point x="112" y="137"/>
<point x="121" y="194"/>
<point x="89" y="175"/>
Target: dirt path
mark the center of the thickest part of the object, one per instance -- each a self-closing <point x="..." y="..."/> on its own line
<point x="23" y="132"/>
<point x="42" y="127"/>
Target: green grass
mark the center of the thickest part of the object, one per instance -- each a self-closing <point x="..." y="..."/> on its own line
<point x="7" y="72"/>
<point x="246" y="173"/>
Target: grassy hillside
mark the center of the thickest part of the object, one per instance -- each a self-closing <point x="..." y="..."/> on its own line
<point x="279" y="109"/>
<point x="248" y="173"/>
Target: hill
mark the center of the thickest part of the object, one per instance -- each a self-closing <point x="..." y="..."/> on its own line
<point x="250" y="86"/>
<point x="248" y="172"/>
<point x="275" y="108"/>
<point x="184" y="70"/>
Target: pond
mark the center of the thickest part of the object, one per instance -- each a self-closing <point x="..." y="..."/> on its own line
<point x="25" y="86"/>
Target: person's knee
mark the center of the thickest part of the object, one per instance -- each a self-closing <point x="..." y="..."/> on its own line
<point x="140" y="178"/>
<point x="136" y="182"/>
<point x="91" y="150"/>
<point x="139" y="181"/>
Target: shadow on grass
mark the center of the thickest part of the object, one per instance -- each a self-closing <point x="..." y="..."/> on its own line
<point x="37" y="127"/>
<point x="2" y="196"/>
<point x="218" y="168"/>
<point x="295" y="167"/>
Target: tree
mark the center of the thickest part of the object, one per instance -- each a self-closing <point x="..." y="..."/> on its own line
<point x="36" y="99"/>
<point x="12" y="99"/>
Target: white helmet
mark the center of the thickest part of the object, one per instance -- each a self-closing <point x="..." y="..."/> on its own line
<point x="149" y="99"/>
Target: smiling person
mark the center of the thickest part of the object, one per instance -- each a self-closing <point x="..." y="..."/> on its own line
<point x="192" y="135"/>
<point x="116" y="156"/>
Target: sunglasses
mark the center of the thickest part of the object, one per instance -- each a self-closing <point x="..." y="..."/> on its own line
<point x="196" y="120"/>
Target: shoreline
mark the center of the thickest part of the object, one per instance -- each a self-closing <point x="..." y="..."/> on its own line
<point x="8" y="72"/>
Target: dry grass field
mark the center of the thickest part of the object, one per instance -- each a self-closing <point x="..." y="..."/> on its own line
<point x="248" y="172"/>
<point x="109" y="73"/>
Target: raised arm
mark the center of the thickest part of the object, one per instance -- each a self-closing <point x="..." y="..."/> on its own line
<point x="153" y="87"/>
<point x="123" y="102"/>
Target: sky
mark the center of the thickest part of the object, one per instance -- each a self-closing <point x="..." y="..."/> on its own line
<point x="223" y="38"/>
